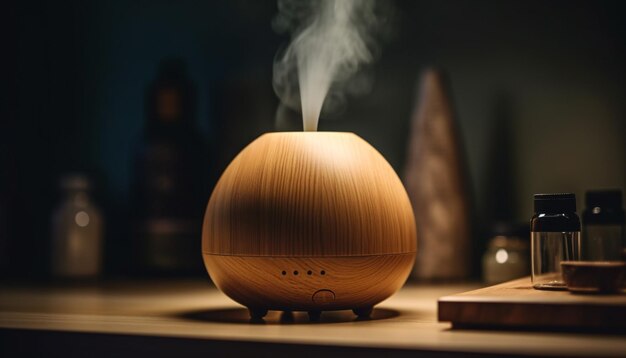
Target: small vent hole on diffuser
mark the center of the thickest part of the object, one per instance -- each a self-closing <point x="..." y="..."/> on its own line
<point x="322" y="272"/>
<point x="284" y="273"/>
<point x="295" y="273"/>
<point x="309" y="272"/>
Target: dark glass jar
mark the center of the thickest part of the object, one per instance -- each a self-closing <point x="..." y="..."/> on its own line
<point x="603" y="231"/>
<point x="167" y="188"/>
<point x="555" y="237"/>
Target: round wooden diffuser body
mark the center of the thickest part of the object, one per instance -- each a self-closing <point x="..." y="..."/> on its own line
<point x="309" y="221"/>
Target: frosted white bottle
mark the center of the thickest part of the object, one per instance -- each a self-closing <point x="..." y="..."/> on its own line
<point x="76" y="232"/>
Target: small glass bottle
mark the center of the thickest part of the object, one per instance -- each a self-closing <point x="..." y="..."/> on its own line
<point x="603" y="230"/>
<point x="77" y="232"/>
<point x="555" y="237"/>
<point x="507" y="255"/>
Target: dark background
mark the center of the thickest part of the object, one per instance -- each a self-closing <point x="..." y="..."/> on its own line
<point x="539" y="88"/>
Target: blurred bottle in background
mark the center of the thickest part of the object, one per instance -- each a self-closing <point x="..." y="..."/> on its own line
<point x="168" y="195"/>
<point x="4" y="237"/>
<point x="507" y="256"/>
<point x="77" y="228"/>
<point x="603" y="230"/>
<point x="436" y="180"/>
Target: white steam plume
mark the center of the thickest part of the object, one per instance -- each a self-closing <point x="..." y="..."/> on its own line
<point x="331" y="40"/>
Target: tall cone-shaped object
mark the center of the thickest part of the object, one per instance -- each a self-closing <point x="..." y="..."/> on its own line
<point x="436" y="183"/>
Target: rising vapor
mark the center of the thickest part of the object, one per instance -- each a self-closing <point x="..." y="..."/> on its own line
<point x="331" y="40"/>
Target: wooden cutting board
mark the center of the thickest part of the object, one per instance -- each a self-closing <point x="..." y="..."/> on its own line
<point x="516" y="304"/>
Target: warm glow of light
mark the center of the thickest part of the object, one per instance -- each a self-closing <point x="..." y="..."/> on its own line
<point x="81" y="219"/>
<point x="502" y="256"/>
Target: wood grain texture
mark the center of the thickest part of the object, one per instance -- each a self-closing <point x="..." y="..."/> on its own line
<point x="290" y="283"/>
<point x="297" y="202"/>
<point x="517" y="304"/>
<point x="311" y="194"/>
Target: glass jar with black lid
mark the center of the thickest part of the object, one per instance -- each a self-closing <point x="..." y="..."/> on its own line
<point x="603" y="225"/>
<point x="555" y="237"/>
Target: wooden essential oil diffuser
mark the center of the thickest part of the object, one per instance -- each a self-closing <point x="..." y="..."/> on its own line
<point x="309" y="221"/>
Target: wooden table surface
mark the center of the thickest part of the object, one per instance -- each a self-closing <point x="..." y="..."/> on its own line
<point x="193" y="313"/>
<point x="516" y="304"/>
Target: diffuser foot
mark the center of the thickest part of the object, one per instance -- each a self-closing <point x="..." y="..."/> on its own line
<point x="257" y="313"/>
<point x="287" y="317"/>
<point x="363" y="312"/>
<point x="314" y="316"/>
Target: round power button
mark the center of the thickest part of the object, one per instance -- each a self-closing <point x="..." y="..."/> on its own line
<point x="323" y="296"/>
